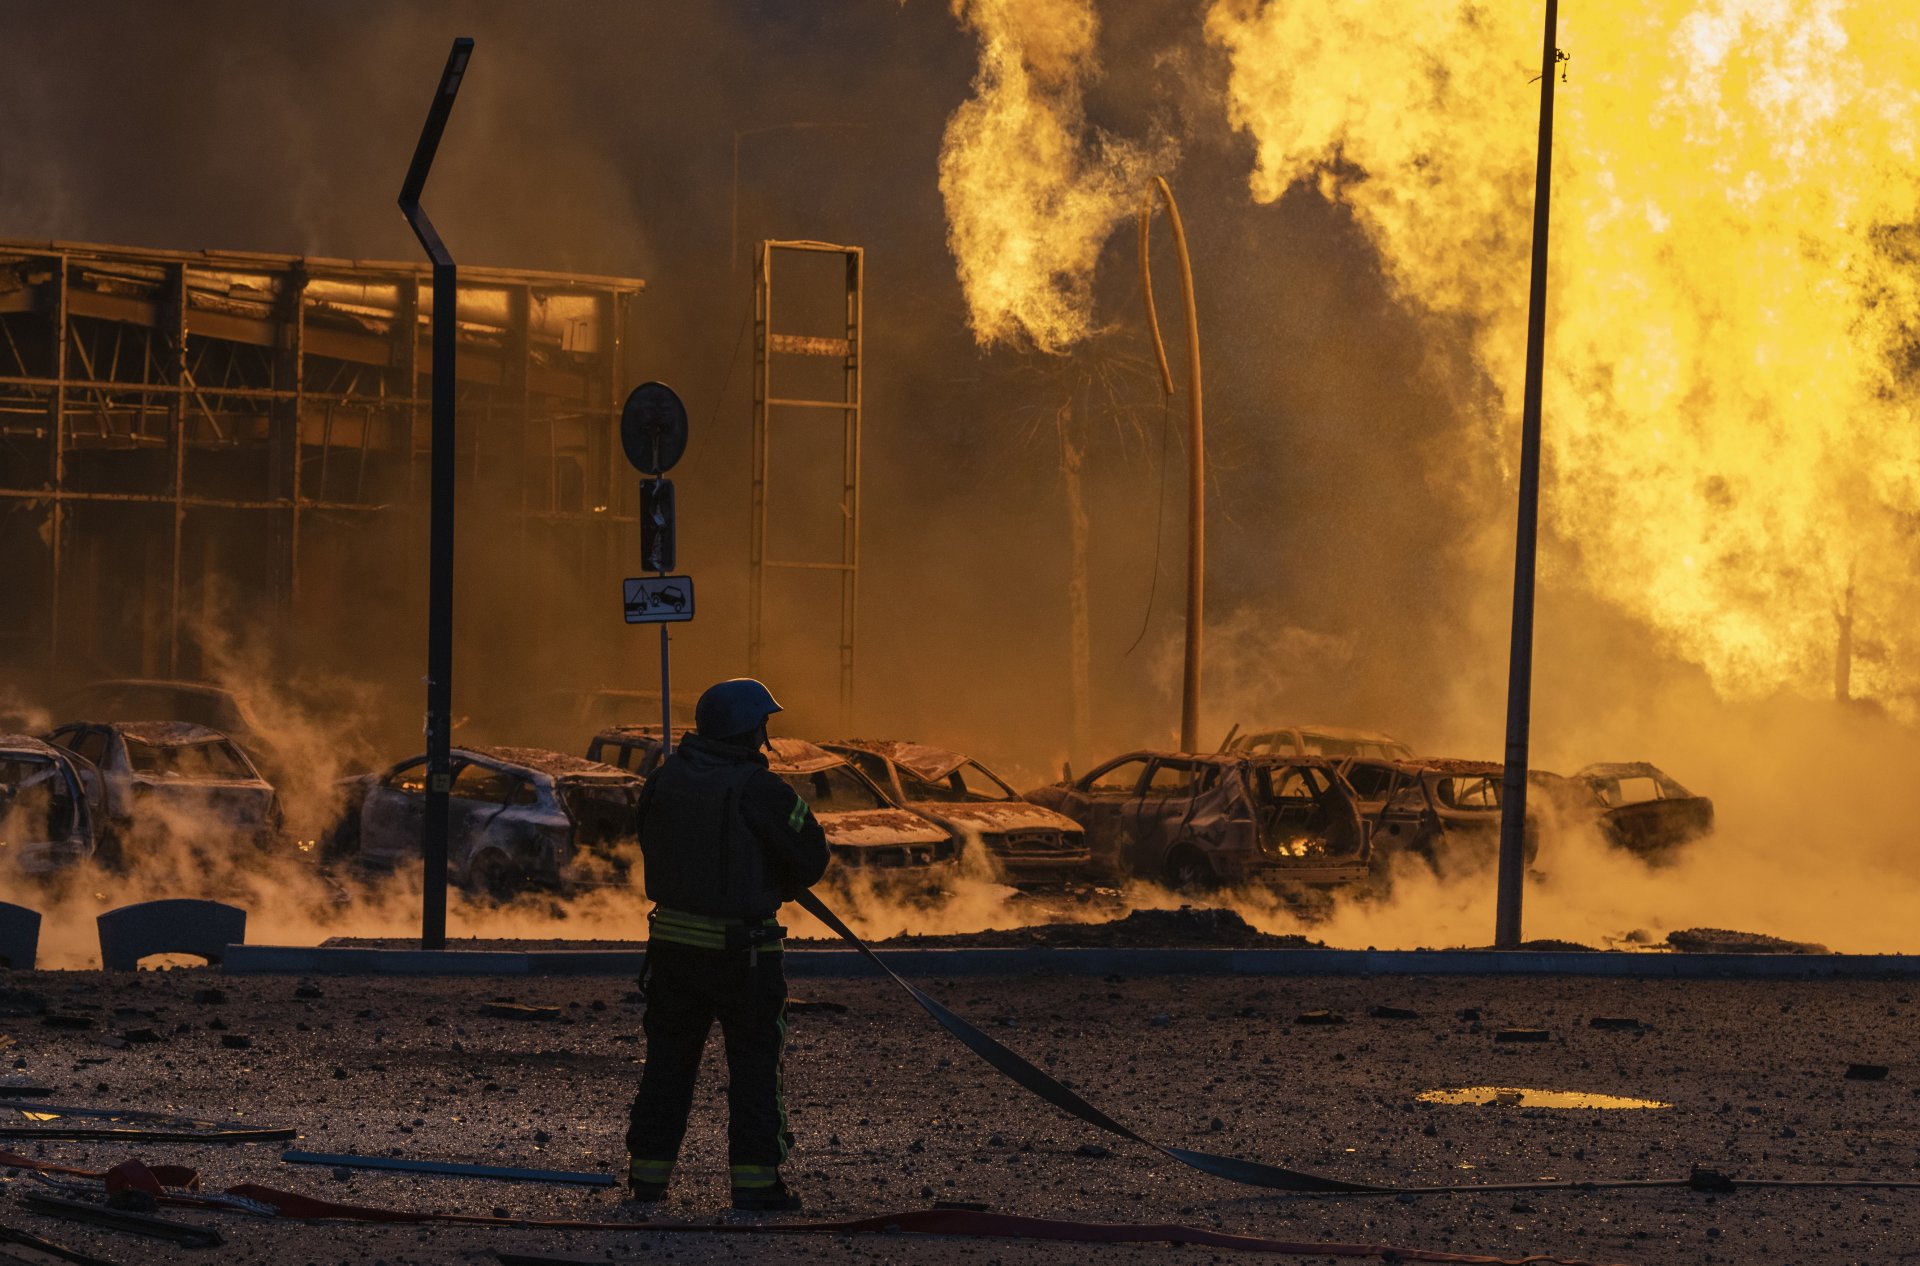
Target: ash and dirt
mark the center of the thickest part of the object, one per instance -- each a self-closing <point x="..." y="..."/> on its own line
<point x="1139" y="929"/>
<point x="893" y="1115"/>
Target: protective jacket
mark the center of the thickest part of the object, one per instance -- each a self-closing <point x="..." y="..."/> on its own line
<point x="724" y="836"/>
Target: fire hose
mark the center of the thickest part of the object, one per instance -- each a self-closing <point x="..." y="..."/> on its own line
<point x="1033" y="1080"/>
<point x="180" y="1186"/>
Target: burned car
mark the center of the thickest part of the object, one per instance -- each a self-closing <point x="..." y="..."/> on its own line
<point x="1026" y="842"/>
<point x="1444" y="811"/>
<point x="150" y="778"/>
<point x="517" y="818"/>
<point x="1637" y="806"/>
<point x="197" y="702"/>
<point x="1196" y="821"/>
<point x="866" y="833"/>
<point x="46" y="816"/>
<point x="1330" y="741"/>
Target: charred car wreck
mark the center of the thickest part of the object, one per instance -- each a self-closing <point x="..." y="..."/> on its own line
<point x="46" y="818"/>
<point x="518" y="818"/>
<point x="1445" y="812"/>
<point x="1027" y="843"/>
<point x="867" y="834"/>
<point x="152" y="779"/>
<point x="1197" y="821"/>
<point x="1637" y="807"/>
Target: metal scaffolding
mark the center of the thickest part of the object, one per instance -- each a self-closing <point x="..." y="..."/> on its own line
<point x="170" y="416"/>
<point x="767" y="345"/>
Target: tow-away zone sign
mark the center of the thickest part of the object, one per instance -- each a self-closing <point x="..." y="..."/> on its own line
<point x="658" y="599"/>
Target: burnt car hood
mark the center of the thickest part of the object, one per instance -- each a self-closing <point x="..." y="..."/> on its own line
<point x="996" y="818"/>
<point x="248" y="800"/>
<point x="878" y="828"/>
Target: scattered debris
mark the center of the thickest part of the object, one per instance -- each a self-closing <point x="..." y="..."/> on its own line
<point x="47" y="1248"/>
<point x="1525" y="1097"/>
<point x="1520" y="1035"/>
<point x="1722" y="941"/>
<point x="1866" y="1072"/>
<point x="1702" y="1179"/>
<point x="801" y="1006"/>
<point x="14" y="1002"/>
<point x="182" y="1233"/>
<point x="518" y="1011"/>
<point x="129" y="1124"/>
<point x="454" y="1169"/>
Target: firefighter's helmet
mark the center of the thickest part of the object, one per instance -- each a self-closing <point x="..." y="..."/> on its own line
<point x="730" y="708"/>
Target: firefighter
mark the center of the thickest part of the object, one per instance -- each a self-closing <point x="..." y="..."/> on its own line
<point x="725" y="841"/>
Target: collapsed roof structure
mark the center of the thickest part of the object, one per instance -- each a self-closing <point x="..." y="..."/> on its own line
<point x="172" y="423"/>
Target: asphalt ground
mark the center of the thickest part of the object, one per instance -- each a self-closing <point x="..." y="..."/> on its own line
<point x="893" y="1115"/>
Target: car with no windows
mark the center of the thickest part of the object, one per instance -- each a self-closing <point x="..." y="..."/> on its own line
<point x="518" y="818"/>
<point x="1197" y="821"/>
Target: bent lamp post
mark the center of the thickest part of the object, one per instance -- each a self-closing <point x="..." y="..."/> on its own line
<point x="433" y="913"/>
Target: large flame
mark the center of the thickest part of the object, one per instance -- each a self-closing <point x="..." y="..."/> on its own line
<point x="1032" y="191"/>
<point x="1733" y="330"/>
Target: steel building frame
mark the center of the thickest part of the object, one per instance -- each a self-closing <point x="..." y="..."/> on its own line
<point x="768" y="344"/>
<point x="284" y="387"/>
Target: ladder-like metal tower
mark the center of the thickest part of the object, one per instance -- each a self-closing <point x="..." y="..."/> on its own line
<point x="766" y="346"/>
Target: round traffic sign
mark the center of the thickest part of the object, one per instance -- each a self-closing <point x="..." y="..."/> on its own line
<point x="653" y="428"/>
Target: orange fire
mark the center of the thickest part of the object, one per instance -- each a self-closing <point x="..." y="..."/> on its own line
<point x="1730" y="428"/>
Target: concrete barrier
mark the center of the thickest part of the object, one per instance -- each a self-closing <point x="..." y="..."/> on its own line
<point x="19" y="936"/>
<point x="179" y="926"/>
<point x="940" y="963"/>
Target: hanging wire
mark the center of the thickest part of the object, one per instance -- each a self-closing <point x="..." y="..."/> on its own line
<point x="1159" y="523"/>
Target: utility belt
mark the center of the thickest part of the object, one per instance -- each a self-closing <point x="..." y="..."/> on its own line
<point x="714" y="932"/>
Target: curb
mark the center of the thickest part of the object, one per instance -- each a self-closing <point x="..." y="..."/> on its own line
<point x="253" y="960"/>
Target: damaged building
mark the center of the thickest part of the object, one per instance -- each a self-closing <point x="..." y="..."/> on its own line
<point x="186" y="437"/>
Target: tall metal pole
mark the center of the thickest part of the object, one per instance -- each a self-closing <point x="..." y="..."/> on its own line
<point x="1196" y="457"/>
<point x="433" y="912"/>
<point x="1513" y="797"/>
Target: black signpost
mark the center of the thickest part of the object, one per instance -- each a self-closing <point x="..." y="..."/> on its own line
<point x="433" y="912"/>
<point x="653" y="431"/>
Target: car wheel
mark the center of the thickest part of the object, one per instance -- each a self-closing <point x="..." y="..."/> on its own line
<point x="1189" y="871"/>
<point x="493" y="876"/>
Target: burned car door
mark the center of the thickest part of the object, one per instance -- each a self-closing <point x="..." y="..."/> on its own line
<point x="1155" y="823"/>
<point x="89" y="743"/>
<point x="498" y="850"/>
<point x="1100" y="802"/>
<point x="393" y="815"/>
<point x="479" y="793"/>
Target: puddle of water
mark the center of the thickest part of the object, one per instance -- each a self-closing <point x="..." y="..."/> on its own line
<point x="1520" y="1097"/>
